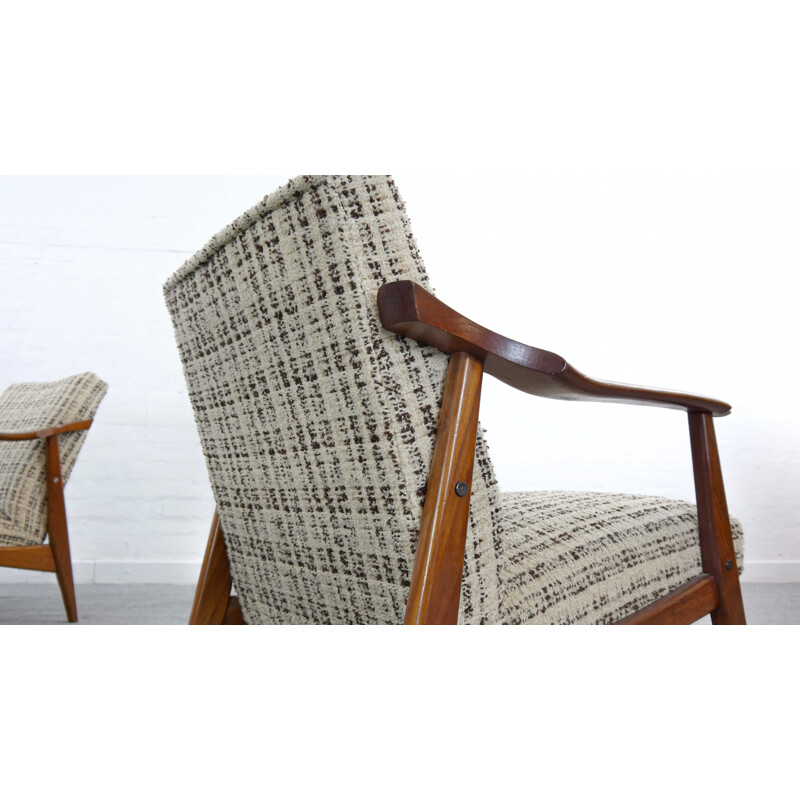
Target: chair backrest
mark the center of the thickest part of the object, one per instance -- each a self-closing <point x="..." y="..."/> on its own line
<point x="34" y="406"/>
<point x="317" y="424"/>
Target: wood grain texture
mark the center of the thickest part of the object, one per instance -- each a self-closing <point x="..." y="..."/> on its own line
<point x="435" y="591"/>
<point x="408" y="309"/>
<point x="36" y="557"/>
<point x="233" y="613"/>
<point x="57" y="526"/>
<point x="684" y="605"/>
<point x="213" y="592"/>
<point x="716" y="541"/>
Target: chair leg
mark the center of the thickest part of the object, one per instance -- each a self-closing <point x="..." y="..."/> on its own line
<point x="57" y="527"/>
<point x="213" y="596"/>
<point x="233" y="614"/>
<point x="716" y="540"/>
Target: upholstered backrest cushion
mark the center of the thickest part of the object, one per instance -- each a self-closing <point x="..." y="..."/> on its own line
<point x="317" y="424"/>
<point x="28" y="407"/>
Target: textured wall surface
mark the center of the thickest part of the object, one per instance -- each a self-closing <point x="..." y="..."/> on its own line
<point x="83" y="261"/>
<point x="679" y="283"/>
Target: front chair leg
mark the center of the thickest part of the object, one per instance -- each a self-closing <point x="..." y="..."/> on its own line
<point x="716" y="539"/>
<point x="57" y="527"/>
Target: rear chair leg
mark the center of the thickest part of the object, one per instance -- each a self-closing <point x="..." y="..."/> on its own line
<point x="435" y="592"/>
<point x="213" y="604"/>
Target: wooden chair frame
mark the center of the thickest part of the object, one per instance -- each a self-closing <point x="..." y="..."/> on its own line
<point x="408" y="309"/>
<point x="53" y="556"/>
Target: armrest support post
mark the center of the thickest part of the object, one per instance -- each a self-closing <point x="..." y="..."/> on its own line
<point x="716" y="541"/>
<point x="57" y="525"/>
<point x="435" y="591"/>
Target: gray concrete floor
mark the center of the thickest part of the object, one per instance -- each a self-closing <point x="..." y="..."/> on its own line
<point x="101" y="604"/>
<point x="137" y="604"/>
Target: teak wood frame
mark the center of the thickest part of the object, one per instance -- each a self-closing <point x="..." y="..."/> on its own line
<point x="408" y="309"/>
<point x="53" y="556"/>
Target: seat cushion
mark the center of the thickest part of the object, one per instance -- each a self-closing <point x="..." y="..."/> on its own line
<point x="594" y="558"/>
<point x="28" y="407"/>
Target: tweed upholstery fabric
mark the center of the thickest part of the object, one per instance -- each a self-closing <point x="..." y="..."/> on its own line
<point x="592" y="558"/>
<point x="318" y="426"/>
<point x="28" y="407"/>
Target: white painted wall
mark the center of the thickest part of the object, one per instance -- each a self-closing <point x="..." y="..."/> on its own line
<point x="683" y="283"/>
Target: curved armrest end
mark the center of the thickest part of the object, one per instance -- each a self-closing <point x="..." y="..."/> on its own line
<point x="408" y="309"/>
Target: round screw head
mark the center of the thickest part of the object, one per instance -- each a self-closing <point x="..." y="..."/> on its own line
<point x="55" y="480"/>
<point x="461" y="489"/>
<point x="729" y="565"/>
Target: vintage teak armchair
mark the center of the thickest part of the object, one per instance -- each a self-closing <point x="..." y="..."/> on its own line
<point x="337" y="404"/>
<point x="42" y="429"/>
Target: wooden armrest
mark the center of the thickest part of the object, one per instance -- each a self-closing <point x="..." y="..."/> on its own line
<point x="44" y="433"/>
<point x="408" y="309"/>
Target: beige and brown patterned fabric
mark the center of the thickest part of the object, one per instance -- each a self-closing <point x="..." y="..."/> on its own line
<point x="587" y="557"/>
<point x="317" y="424"/>
<point x="29" y="407"/>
